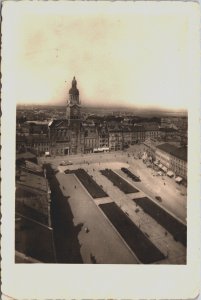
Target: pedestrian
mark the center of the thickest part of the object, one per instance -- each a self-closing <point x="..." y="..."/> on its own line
<point x="75" y="186"/>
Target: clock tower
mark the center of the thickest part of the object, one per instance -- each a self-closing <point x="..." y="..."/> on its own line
<point x="73" y="104"/>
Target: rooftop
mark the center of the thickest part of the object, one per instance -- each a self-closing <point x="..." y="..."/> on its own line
<point x="37" y="122"/>
<point x="137" y="128"/>
<point x="168" y="129"/>
<point x="25" y="155"/>
<point x="149" y="127"/>
<point x="33" y="241"/>
<point x="33" y="167"/>
<point x="58" y="123"/>
<point x="32" y="197"/>
<point x="33" y="181"/>
<point x="180" y="153"/>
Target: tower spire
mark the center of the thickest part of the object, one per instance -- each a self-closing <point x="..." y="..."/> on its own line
<point x="73" y="103"/>
<point x="74" y="82"/>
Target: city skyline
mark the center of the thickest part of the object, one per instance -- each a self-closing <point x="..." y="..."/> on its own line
<point x="120" y="55"/>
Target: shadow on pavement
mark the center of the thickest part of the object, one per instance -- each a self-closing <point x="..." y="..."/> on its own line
<point x="65" y="232"/>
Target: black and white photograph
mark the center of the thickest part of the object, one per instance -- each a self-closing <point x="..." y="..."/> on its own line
<point x="102" y="96"/>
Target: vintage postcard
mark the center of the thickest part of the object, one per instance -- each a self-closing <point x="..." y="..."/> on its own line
<point x="100" y="155"/>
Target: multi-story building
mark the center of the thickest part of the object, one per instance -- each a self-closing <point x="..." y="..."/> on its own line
<point x="137" y="134"/>
<point x="90" y="137"/>
<point x="21" y="144"/>
<point x="150" y="148"/>
<point x="152" y="131"/>
<point x="179" y="162"/>
<point x="173" y="158"/>
<point x="22" y="129"/>
<point x="169" y="133"/>
<point x="59" y="136"/>
<point x="103" y="136"/>
<point x="32" y="127"/>
<point x="115" y="138"/>
<point x="127" y="135"/>
<point x="175" y="122"/>
<point x="38" y="144"/>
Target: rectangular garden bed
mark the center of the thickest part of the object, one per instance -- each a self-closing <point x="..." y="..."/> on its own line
<point x="89" y="183"/>
<point x="143" y="248"/>
<point x="131" y="175"/>
<point x="122" y="184"/>
<point x="176" y="228"/>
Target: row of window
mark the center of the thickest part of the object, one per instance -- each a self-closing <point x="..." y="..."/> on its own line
<point x="90" y="142"/>
<point x="38" y="145"/>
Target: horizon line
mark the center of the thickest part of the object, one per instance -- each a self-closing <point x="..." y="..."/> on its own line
<point x="108" y="106"/>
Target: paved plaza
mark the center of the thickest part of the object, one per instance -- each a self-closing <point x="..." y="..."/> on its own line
<point x="103" y="243"/>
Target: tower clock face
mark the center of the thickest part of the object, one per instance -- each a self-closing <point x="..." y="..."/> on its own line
<point x="74" y="111"/>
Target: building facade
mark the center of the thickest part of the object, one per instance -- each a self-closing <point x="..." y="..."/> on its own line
<point x="174" y="158"/>
<point x="115" y="138"/>
<point x="152" y="131"/>
<point x="137" y="134"/>
<point x="90" y="137"/>
<point x="103" y="136"/>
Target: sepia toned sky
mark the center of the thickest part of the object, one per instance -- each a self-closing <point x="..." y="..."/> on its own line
<point x="132" y="54"/>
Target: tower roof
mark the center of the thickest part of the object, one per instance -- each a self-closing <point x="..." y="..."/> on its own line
<point x="73" y="90"/>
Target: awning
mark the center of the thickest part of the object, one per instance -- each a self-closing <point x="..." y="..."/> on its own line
<point x="164" y="169"/>
<point x="170" y="173"/>
<point x="178" y="179"/>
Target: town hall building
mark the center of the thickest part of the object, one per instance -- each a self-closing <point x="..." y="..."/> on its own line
<point x="66" y="136"/>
